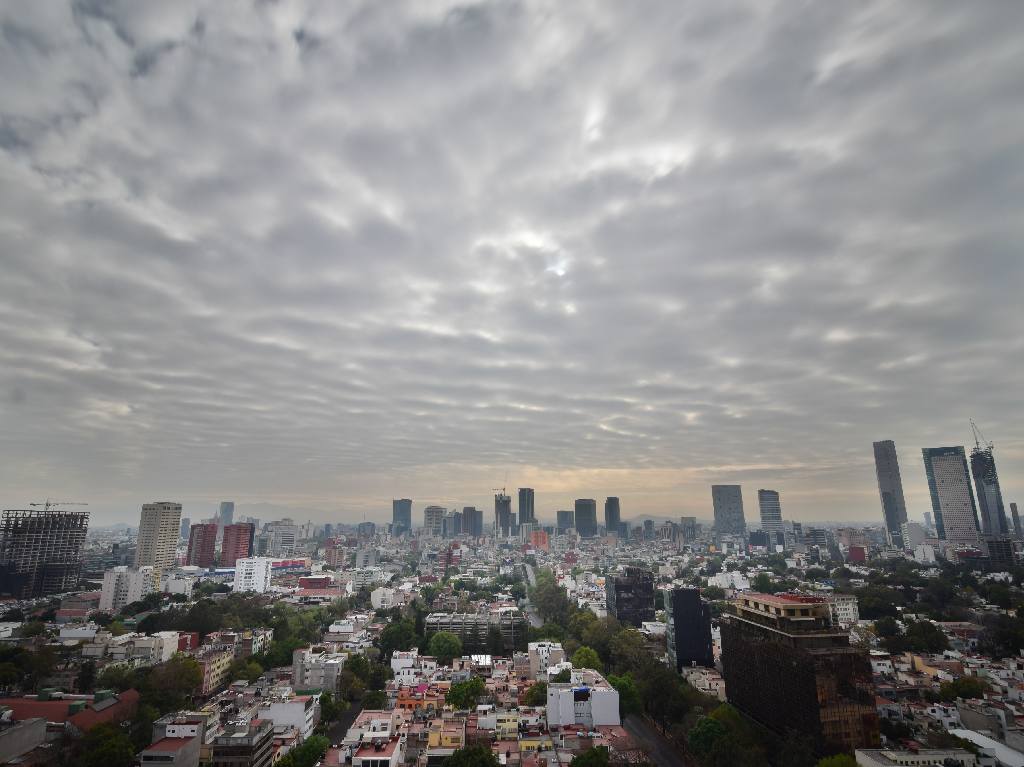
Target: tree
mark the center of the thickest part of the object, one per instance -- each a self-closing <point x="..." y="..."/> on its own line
<point x="630" y="701"/>
<point x="86" y="679"/>
<point x="308" y="754"/>
<point x="464" y="695"/>
<point x="762" y="582"/>
<point x="171" y="684"/>
<point x="400" y="635"/>
<point x="839" y="760"/>
<point x="471" y="756"/>
<point x="964" y="687"/>
<point x="887" y="627"/>
<point x="106" y="746"/>
<point x="585" y="657"/>
<point x="592" y="757"/>
<point x="704" y="736"/>
<point x="537" y="695"/>
<point x="444" y="645"/>
<point x="374" y="699"/>
<point x="245" y="668"/>
<point x="565" y="675"/>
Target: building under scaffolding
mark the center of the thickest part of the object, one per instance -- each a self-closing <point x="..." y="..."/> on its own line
<point x="41" y="551"/>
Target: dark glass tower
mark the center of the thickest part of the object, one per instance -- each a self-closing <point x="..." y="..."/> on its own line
<point x="502" y="515"/>
<point x="612" y="515"/>
<point x="526" y="510"/>
<point x="586" y="517"/>
<point x="401" y="515"/>
<point x="630" y="596"/>
<point x="689" y="629"/>
<point x="565" y="520"/>
<point x="890" y="489"/>
<point x="990" y="497"/>
<point x="728" y="505"/>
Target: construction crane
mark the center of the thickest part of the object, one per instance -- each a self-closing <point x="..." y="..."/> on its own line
<point x="48" y="504"/>
<point x="979" y="438"/>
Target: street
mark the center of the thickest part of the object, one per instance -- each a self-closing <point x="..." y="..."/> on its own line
<point x="662" y="751"/>
<point x="337" y="731"/>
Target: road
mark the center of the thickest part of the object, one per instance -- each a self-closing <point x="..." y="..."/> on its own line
<point x="531" y="611"/>
<point x="337" y="731"/>
<point x="662" y="751"/>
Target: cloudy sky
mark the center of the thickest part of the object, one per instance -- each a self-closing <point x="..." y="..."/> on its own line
<point x="320" y="255"/>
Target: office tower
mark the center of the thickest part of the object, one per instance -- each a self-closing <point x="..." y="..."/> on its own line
<point x="282" y="536"/>
<point x="688" y="528"/>
<point x="202" y="545"/>
<point x="728" y="503"/>
<point x="433" y="520"/>
<point x="913" y="535"/>
<point x="612" y="515"/>
<point x="990" y="496"/>
<point x="688" y="633"/>
<point x="787" y="667"/>
<point x="455" y="524"/>
<point x="366" y="529"/>
<point x="585" y="517"/>
<point x="227" y="514"/>
<point x="630" y="596"/>
<point x="949" y="482"/>
<point x="648" y="529"/>
<point x="159" y="529"/>
<point x="890" y="488"/>
<point x="186" y="525"/>
<point x="928" y="521"/>
<point x="41" y="551"/>
<point x="502" y="515"/>
<point x="124" y="585"/>
<point x="564" y="520"/>
<point x="526" y="509"/>
<point x="401" y="516"/>
<point x="771" y="512"/>
<point x="238" y="543"/>
<point x="253" y="574"/>
<point x="1017" y="532"/>
<point x="472" y="521"/>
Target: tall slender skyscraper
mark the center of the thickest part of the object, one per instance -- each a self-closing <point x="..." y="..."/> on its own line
<point x="159" y="531"/>
<point x="612" y="515"/>
<point x="472" y="521"/>
<point x="771" y="511"/>
<point x="990" y="496"/>
<point x="227" y="514"/>
<point x="1017" y="531"/>
<point x="401" y="515"/>
<point x="526" y="510"/>
<point x="502" y="515"/>
<point x="949" y="482"/>
<point x="728" y="504"/>
<point x="41" y="551"/>
<point x="586" y="517"/>
<point x="202" y="544"/>
<point x="890" y="489"/>
<point x="433" y="520"/>
<point x="565" y="520"/>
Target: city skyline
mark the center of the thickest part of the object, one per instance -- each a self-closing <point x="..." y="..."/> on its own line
<point x="322" y="257"/>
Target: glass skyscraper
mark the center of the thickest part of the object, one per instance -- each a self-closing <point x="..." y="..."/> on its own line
<point x="990" y="497"/>
<point x="890" y="489"/>
<point x="728" y="503"/>
<point x="949" y="482"/>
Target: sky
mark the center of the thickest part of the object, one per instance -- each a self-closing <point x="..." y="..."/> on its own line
<point x="314" y="256"/>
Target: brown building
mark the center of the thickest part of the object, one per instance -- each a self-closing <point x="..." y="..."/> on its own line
<point x="787" y="667"/>
<point x="202" y="544"/>
<point x="237" y="544"/>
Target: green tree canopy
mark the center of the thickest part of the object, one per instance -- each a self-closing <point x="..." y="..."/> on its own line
<point x="586" y="657"/>
<point x="537" y="695"/>
<point x="592" y="757"/>
<point x="839" y="760"/>
<point x="308" y="754"/>
<point x="472" y="756"/>
<point x="106" y="746"/>
<point x="464" y="695"/>
<point x="444" y="645"/>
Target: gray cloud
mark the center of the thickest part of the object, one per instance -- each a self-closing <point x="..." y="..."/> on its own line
<point x="316" y="255"/>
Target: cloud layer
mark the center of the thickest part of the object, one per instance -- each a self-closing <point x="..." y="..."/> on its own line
<point x="320" y="255"/>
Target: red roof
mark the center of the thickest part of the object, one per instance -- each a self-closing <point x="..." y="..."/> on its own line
<point x="169" y="744"/>
<point x="121" y="709"/>
<point x="30" y="708"/>
<point x="113" y="710"/>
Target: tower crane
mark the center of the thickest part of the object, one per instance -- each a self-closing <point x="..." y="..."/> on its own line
<point x="979" y="438"/>
<point x="48" y="504"/>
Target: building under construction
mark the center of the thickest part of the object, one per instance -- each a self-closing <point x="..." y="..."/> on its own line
<point x="41" y="551"/>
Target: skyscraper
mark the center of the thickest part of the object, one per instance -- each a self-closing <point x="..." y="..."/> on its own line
<point x="890" y="489"/>
<point x="728" y="503"/>
<point x="502" y="515"/>
<point x="238" y="540"/>
<point x="565" y="520"/>
<point x="612" y="515"/>
<point x="1017" y="531"/>
<point x="586" y="517"/>
<point x="186" y="525"/>
<point x="202" y="544"/>
<point x="771" y="512"/>
<point x="787" y="667"/>
<point x="990" y="496"/>
<point x="630" y="596"/>
<point x="688" y="632"/>
<point x="227" y="514"/>
<point x="472" y="521"/>
<point x="159" y="530"/>
<point x="526" y="510"/>
<point x="41" y="551"/>
<point x="401" y="515"/>
<point x="949" y="482"/>
<point x="433" y="520"/>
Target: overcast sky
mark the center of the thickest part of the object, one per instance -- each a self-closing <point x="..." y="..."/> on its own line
<point x="321" y="255"/>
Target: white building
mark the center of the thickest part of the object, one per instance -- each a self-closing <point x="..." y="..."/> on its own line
<point x="733" y="580"/>
<point x="317" y="670"/>
<point x="587" y="701"/>
<point x="382" y="598"/>
<point x="123" y="585"/>
<point x="365" y="577"/>
<point x="542" y="656"/>
<point x="177" y="583"/>
<point x="253" y="574"/>
<point x="300" y="711"/>
<point x="844" y="609"/>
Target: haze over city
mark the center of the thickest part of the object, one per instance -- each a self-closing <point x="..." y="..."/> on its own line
<point x="322" y="257"/>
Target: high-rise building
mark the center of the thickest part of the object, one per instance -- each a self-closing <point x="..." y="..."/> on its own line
<point x="401" y="515"/>
<point x="526" y="509"/>
<point x="630" y="596"/>
<point x="612" y="515"/>
<point x="648" y="529"/>
<point x="159" y="532"/>
<point x="502" y="515"/>
<point x="123" y="585"/>
<point x="1017" y="531"/>
<point x="913" y="535"/>
<point x="728" y="504"/>
<point x="433" y="520"/>
<point x="227" y="514"/>
<point x="202" y="544"/>
<point x="689" y="529"/>
<point x="565" y="520"/>
<point x="586" y="517"/>
<point x="890" y="488"/>
<point x="186" y="526"/>
<point x="688" y="632"/>
<point x="238" y="541"/>
<point x="41" y="551"/>
<point x="787" y="667"/>
<point x="282" y="537"/>
<point x="253" y="574"/>
<point x="455" y="524"/>
<point x="949" y="482"/>
<point x="928" y="521"/>
<point x="771" y="512"/>
<point x="990" y="496"/>
<point x="472" y="521"/>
